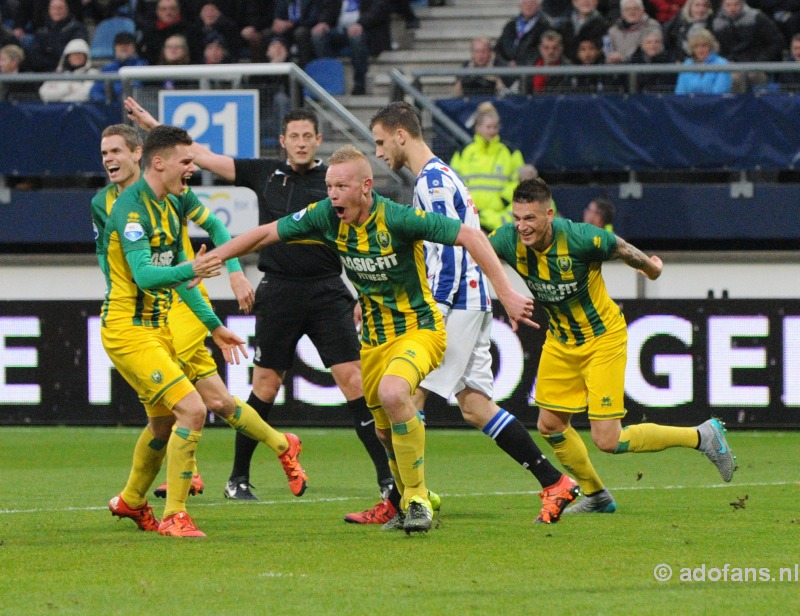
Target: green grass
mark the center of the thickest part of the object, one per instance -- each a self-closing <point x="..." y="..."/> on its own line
<point x="61" y="552"/>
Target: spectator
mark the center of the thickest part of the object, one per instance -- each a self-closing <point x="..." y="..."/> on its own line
<point x="704" y="48"/>
<point x="489" y="168"/>
<point x="590" y="54"/>
<point x="49" y="41"/>
<point x="216" y="52"/>
<point x="12" y="58"/>
<point x="600" y="213"/>
<point x="31" y="15"/>
<point x="211" y="25"/>
<point x="666" y="10"/>
<point x="361" y="25"/>
<point x="175" y="52"/>
<point x="694" y="14"/>
<point x="124" y="55"/>
<point x="169" y="21"/>
<point x="273" y="90"/>
<point x="784" y="13"/>
<point x="557" y="10"/>
<point x="651" y="51"/>
<point x="585" y="22"/>
<point x="480" y="85"/>
<point x="788" y="81"/>
<point x="746" y="35"/>
<point x="253" y="17"/>
<point x="551" y="53"/>
<point x="292" y="22"/>
<point x="519" y="41"/>
<point x="626" y="33"/>
<point x="7" y="36"/>
<point x="75" y="60"/>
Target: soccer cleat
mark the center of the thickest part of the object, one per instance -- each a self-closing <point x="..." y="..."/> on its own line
<point x="396" y="523"/>
<point x="599" y="502"/>
<point x="419" y="516"/>
<point x="143" y="516"/>
<point x="436" y="500"/>
<point x="291" y="465"/>
<point x="379" y="514"/>
<point x="715" y="446"/>
<point x="555" y="498"/>
<point x="238" y="488"/>
<point x="196" y="488"/>
<point x="179" y="524"/>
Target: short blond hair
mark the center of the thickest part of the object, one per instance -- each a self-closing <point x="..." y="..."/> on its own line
<point x="700" y="36"/>
<point x="14" y="53"/>
<point x="346" y="154"/>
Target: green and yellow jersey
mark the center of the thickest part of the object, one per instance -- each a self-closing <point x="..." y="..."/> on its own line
<point x="140" y="248"/>
<point x="566" y="278"/>
<point x="383" y="258"/>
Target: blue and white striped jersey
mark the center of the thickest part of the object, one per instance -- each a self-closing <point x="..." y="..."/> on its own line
<point x="456" y="280"/>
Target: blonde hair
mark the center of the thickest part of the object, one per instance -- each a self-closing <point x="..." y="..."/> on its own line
<point x="346" y="154"/>
<point x="14" y="52"/>
<point x="702" y="35"/>
<point x="686" y="11"/>
<point x="486" y="111"/>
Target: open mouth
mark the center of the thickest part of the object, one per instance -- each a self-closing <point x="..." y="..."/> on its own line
<point x="112" y="169"/>
<point x="339" y="210"/>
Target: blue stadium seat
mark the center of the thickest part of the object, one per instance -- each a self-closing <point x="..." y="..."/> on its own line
<point x="328" y="73"/>
<point x="102" y="47"/>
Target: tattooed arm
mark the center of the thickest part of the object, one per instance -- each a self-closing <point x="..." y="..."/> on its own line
<point x="647" y="266"/>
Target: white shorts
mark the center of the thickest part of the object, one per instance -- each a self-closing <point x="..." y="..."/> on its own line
<point x="467" y="360"/>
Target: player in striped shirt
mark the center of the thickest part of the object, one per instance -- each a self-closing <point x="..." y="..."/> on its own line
<point x="462" y="295"/>
<point x="403" y="339"/>
<point x="585" y="351"/>
<point x="142" y="255"/>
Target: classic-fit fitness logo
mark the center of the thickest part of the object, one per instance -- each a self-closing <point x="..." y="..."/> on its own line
<point x="369" y="268"/>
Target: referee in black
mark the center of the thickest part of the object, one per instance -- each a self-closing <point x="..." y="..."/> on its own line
<point x="302" y="291"/>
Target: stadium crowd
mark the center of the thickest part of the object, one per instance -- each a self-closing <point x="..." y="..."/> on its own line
<point x="35" y="33"/>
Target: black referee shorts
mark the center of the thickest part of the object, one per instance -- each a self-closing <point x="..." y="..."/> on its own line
<point x="286" y="310"/>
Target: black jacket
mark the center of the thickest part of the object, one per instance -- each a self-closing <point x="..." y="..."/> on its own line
<point x="374" y="17"/>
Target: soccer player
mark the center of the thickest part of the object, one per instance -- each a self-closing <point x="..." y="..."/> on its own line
<point x="301" y="293"/>
<point x="461" y="292"/>
<point x="585" y="351"/>
<point x="403" y="338"/>
<point x="141" y="254"/>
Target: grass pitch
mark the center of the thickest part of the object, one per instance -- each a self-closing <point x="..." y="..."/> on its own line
<point x="61" y="552"/>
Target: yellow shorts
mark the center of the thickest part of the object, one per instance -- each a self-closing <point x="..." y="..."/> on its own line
<point x="146" y="358"/>
<point x="411" y="356"/>
<point x="572" y="379"/>
<point x="189" y="337"/>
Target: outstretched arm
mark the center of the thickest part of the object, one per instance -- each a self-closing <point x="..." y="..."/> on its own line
<point x="518" y="307"/>
<point x="204" y="158"/>
<point x="647" y="266"/>
<point x="248" y="242"/>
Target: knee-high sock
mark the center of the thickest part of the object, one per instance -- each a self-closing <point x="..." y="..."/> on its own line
<point x="148" y="456"/>
<point x="512" y="437"/>
<point x="245" y="446"/>
<point x="396" y="495"/>
<point x="181" y="463"/>
<point x="640" y="438"/>
<point x="572" y="453"/>
<point x="408" y="442"/>
<point x="364" y="423"/>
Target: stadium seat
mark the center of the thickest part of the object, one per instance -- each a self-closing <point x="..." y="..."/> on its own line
<point x="102" y="47"/>
<point x="328" y="73"/>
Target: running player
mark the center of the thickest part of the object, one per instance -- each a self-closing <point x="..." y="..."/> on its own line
<point x="141" y="255"/>
<point x="460" y="290"/>
<point x="585" y="351"/>
<point x="403" y="339"/>
<point x="301" y="293"/>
